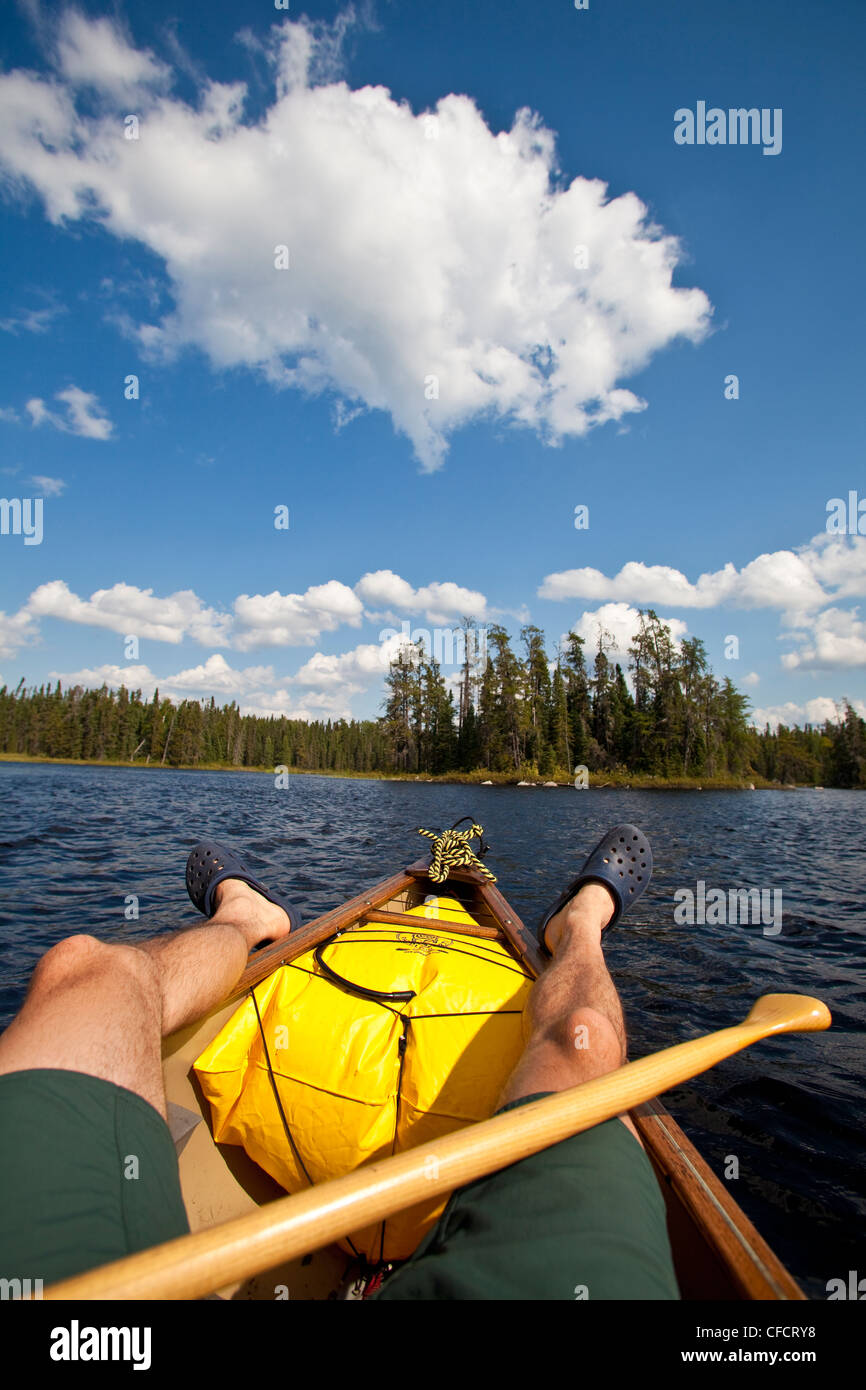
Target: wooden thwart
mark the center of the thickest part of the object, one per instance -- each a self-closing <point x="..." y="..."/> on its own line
<point x="432" y="924"/>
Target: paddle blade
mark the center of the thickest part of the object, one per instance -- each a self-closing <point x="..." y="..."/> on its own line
<point x="789" y="1013"/>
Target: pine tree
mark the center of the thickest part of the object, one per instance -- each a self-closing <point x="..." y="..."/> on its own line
<point x="439" y="717"/>
<point x="536" y="699"/>
<point x="622" y="706"/>
<point x="692" y="670"/>
<point x="578" y="702"/>
<point x="557" y="732"/>
<point x="654" y="670"/>
<point x="499" y="707"/>
<point x="399" y="709"/>
<point x="603" y="748"/>
<point x="849" y="753"/>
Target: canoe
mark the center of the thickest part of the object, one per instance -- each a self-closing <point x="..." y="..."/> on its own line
<point x="718" y="1253"/>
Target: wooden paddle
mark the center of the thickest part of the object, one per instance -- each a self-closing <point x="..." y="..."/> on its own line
<point x="198" y="1264"/>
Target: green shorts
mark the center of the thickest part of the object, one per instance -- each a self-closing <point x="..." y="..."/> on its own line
<point x="88" y="1174"/>
<point x="583" y="1219"/>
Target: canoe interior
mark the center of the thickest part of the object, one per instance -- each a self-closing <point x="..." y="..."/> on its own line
<point x="718" y="1253"/>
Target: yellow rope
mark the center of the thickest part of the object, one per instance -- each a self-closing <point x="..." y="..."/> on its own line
<point x="451" y="850"/>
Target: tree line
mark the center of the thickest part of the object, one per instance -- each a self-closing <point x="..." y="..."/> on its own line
<point x="518" y="712"/>
<point x="511" y="713"/>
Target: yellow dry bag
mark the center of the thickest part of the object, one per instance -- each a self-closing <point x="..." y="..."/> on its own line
<point x="384" y="1038"/>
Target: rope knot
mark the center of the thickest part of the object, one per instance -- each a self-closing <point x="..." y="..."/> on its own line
<point x="451" y="850"/>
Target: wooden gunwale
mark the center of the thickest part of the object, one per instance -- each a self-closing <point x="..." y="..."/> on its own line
<point x="721" y="1224"/>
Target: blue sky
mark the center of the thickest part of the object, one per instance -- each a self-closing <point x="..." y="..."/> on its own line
<point x="431" y="233"/>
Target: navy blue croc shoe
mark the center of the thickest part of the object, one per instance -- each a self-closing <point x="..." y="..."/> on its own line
<point x="209" y="863"/>
<point x="623" y="861"/>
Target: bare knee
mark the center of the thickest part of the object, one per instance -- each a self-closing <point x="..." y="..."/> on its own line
<point x="68" y="958"/>
<point x="587" y="1034"/>
<point x="575" y="1045"/>
<point x="81" y="955"/>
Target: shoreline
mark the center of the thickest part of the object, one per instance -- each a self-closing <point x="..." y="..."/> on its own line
<point x="613" y="781"/>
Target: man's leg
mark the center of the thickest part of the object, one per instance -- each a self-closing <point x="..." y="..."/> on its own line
<point x="584" y="1218"/>
<point x="103" y="1009"/>
<point x="88" y="1169"/>
<point x="575" y="1018"/>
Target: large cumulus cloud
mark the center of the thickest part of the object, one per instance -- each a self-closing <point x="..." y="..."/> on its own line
<point x="438" y="271"/>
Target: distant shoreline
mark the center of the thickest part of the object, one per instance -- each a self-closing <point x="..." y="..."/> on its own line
<point x="614" y="781"/>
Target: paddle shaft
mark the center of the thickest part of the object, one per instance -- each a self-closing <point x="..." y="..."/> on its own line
<point x="198" y="1264"/>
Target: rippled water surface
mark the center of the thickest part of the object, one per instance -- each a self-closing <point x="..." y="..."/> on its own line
<point x="75" y="841"/>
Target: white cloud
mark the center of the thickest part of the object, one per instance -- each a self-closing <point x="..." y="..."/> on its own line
<point x="216" y="677"/>
<point x="51" y="487"/>
<point x="32" y="320"/>
<point x="351" y="671"/>
<point x="277" y="620"/>
<point x="815" y="711"/>
<point x="420" y="246"/>
<point x="798" y="583"/>
<point x="795" y="581"/>
<point x="279" y="703"/>
<point x="126" y="609"/>
<point x="438" y="602"/>
<point x="622" y="623"/>
<point x="839" y="563"/>
<point x="326" y="680"/>
<point x="9" y="414"/>
<point x="636" y="581"/>
<point x="385" y="589"/>
<point x="40" y="414"/>
<point x="835" y="638"/>
<point x="255" y="688"/>
<point x="258" y="620"/>
<point x="84" y="415"/>
<point x="92" y="677"/>
<point x="16" y="630"/>
<point x="95" y="53"/>
<point x="751" y="679"/>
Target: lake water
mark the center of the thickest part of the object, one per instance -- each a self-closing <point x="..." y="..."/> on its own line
<point x="75" y="841"/>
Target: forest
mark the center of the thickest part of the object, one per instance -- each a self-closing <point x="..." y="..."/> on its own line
<point x="508" y="714"/>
